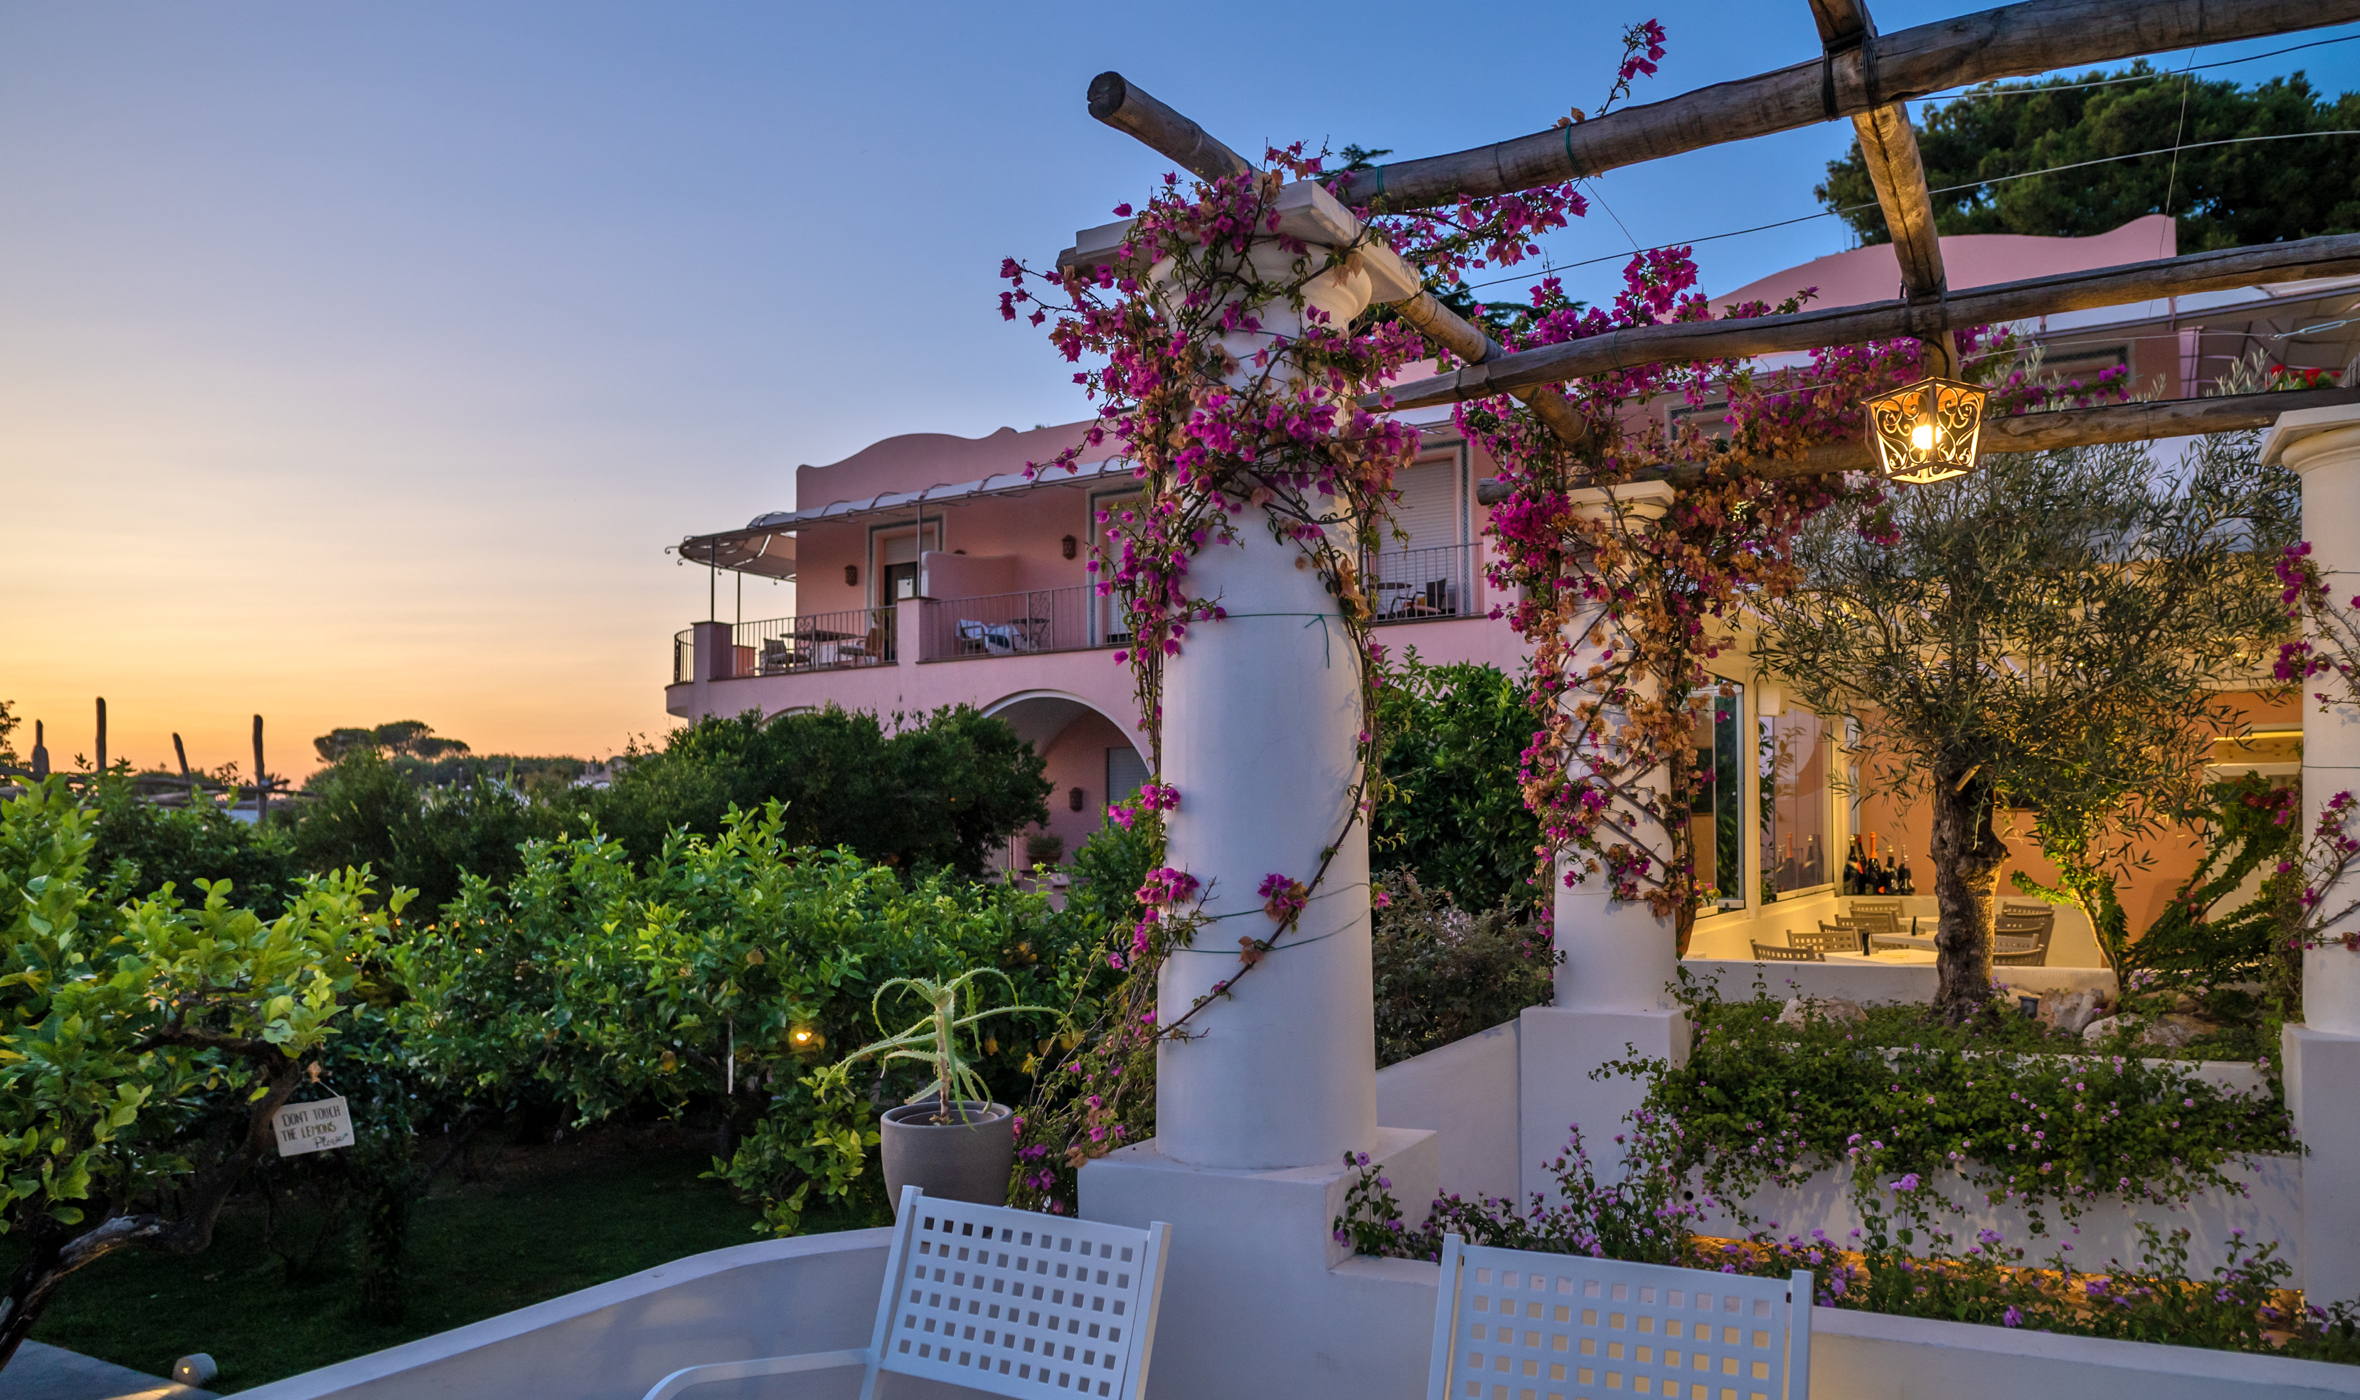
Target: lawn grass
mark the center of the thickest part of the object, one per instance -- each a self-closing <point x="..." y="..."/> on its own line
<point x="545" y="1222"/>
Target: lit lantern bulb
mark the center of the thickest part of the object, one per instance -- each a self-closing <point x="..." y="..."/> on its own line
<point x="1921" y="437"/>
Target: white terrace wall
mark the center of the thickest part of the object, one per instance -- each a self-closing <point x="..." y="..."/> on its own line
<point x="781" y="1297"/>
<point x="1467" y="1092"/>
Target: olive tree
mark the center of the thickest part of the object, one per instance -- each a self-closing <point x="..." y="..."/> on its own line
<point x="2052" y="631"/>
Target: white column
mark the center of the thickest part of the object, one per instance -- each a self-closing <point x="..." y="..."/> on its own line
<point x="1619" y="958"/>
<point x="1262" y="714"/>
<point x="2321" y="1057"/>
<point x="2323" y="445"/>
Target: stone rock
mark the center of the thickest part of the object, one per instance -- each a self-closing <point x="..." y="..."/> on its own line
<point x="2176" y="1030"/>
<point x="2072" y="1011"/>
<point x="1838" y="1009"/>
<point x="2166" y="1032"/>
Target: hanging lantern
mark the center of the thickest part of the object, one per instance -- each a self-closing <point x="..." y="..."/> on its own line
<point x="1927" y="431"/>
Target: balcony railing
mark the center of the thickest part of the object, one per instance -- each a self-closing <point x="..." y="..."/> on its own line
<point x="1421" y="585"/>
<point x="684" y="656"/>
<point x="1007" y="624"/>
<point x="813" y="642"/>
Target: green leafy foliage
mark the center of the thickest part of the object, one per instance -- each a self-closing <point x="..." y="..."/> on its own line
<point x="1453" y="807"/>
<point x="1443" y="973"/>
<point x="144" y="1048"/>
<point x="942" y="793"/>
<point x="141" y="847"/>
<point x="2250" y="823"/>
<point x="2224" y="196"/>
<point x="713" y="980"/>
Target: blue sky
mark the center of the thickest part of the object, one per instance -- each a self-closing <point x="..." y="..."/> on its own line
<point x="358" y="362"/>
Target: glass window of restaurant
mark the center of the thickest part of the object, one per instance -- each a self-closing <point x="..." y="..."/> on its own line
<point x="1796" y="754"/>
<point x="1717" y="809"/>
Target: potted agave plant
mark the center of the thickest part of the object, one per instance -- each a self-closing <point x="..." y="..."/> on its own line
<point x="948" y="1139"/>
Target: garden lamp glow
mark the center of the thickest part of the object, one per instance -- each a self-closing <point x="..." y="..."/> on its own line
<point x="1927" y="431"/>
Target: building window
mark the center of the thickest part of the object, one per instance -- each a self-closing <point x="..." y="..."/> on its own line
<point x="1716" y="822"/>
<point x="1796" y="755"/>
<point x="1126" y="773"/>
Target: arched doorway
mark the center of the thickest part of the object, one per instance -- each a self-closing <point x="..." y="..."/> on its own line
<point x="1087" y="751"/>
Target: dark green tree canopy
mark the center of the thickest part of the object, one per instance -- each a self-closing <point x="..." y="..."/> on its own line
<point x="2223" y="196"/>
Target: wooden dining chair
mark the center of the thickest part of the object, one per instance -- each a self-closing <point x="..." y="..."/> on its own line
<point x="1772" y="952"/>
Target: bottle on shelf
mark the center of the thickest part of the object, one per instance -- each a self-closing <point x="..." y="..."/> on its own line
<point x="1906" y="885"/>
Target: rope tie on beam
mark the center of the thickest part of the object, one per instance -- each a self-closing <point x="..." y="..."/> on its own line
<point x="1864" y="44"/>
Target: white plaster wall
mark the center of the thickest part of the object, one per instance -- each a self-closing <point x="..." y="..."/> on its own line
<point x="1466" y="1093"/>
<point x="1869" y="1356"/>
<point x="615" y="1340"/>
<point x="780" y="1297"/>
<point x="2271" y="1210"/>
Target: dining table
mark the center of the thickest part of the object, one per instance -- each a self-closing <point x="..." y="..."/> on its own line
<point x="1886" y="957"/>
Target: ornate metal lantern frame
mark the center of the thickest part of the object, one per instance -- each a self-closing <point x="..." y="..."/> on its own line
<point x="1927" y="431"/>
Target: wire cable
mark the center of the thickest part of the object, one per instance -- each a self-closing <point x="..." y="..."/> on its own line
<point x="1944" y="189"/>
<point x="2036" y="89"/>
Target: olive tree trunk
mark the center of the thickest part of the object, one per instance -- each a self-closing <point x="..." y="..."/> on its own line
<point x="1967" y="854"/>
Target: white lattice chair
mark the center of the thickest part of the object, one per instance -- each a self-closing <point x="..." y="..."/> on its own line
<point x="1589" y="1329"/>
<point x="1009" y="1302"/>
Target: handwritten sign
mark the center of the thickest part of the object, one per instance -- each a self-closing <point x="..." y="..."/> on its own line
<point x="313" y="1127"/>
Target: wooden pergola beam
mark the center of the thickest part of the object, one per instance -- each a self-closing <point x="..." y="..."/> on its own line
<point x="2032" y="432"/>
<point x="1888" y="145"/>
<point x="2010" y="42"/>
<point x="1126" y="107"/>
<point x="1114" y="101"/>
<point x="2334" y="255"/>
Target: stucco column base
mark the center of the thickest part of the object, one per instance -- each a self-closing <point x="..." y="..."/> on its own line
<point x="1558" y="1049"/>
<point x="1255" y="1281"/>
<point x="2321" y="1069"/>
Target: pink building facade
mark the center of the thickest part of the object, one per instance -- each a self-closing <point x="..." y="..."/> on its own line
<point x="929" y="572"/>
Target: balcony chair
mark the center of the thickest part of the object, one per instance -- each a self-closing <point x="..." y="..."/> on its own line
<point x="870" y="649"/>
<point x="1772" y="952"/>
<point x="778" y="658"/>
<point x="1593" y="1327"/>
<point x="987" y="1327"/>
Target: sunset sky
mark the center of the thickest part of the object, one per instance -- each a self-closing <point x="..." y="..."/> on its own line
<point x="357" y="363"/>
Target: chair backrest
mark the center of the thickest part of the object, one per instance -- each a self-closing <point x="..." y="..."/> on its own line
<point x="1596" y="1327"/>
<point x="1827" y="938"/>
<point x="1017" y="1303"/>
<point x="1771" y="952"/>
<point x="1877" y="906"/>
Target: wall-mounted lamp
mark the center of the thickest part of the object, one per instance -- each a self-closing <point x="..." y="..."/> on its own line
<point x="852" y="575"/>
<point x="1077" y="799"/>
<point x="1071" y="546"/>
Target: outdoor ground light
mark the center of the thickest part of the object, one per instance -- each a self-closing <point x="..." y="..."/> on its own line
<point x="803" y="1039"/>
<point x="1927" y="431"/>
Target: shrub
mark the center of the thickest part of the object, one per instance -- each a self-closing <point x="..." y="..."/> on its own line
<point x="1443" y="973"/>
<point x="1452" y="809"/>
<point x="144" y="1049"/>
<point x="716" y="980"/>
<point x="140" y="847"/>
<point x="943" y="793"/>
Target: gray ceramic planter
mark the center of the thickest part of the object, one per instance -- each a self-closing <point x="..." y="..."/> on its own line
<point x="965" y="1161"/>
